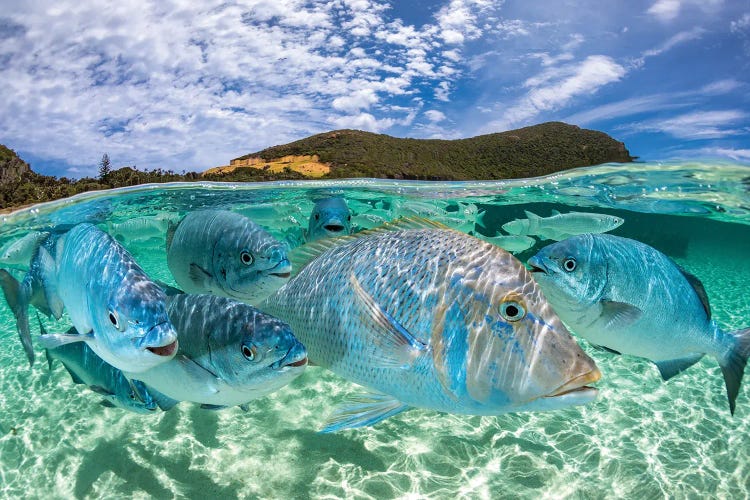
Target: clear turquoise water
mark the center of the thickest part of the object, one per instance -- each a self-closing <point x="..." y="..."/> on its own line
<point x="642" y="438"/>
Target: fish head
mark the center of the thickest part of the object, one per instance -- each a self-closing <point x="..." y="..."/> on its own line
<point x="609" y="222"/>
<point x="249" y="263"/>
<point x="518" y="354"/>
<point x="330" y="218"/>
<point x="572" y="272"/>
<point x="134" y="396"/>
<point x="132" y="329"/>
<point x="260" y="354"/>
<point x="516" y="227"/>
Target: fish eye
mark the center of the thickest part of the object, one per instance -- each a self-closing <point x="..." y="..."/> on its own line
<point x="248" y="352"/>
<point x="512" y="311"/>
<point x="570" y="264"/>
<point x="247" y="258"/>
<point x="349" y="218"/>
<point x="317" y="216"/>
<point x="114" y="319"/>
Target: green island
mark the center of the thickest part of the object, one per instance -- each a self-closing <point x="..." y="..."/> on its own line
<point x="527" y="152"/>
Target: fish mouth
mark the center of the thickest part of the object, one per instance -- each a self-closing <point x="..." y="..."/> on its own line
<point x="165" y="350"/>
<point x="578" y="384"/>
<point x="295" y="357"/>
<point x="536" y="266"/>
<point x="281" y="270"/>
<point x="334" y="228"/>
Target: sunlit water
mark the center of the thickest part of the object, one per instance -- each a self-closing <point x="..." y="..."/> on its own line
<point x="642" y="438"/>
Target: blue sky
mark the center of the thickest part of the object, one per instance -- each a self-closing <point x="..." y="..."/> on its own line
<point x="186" y="85"/>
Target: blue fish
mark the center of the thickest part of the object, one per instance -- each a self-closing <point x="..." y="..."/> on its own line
<point x="430" y="317"/>
<point x="230" y="353"/>
<point x="85" y="367"/>
<point x="330" y="217"/>
<point x="630" y="298"/>
<point x="227" y="254"/>
<point x="115" y="308"/>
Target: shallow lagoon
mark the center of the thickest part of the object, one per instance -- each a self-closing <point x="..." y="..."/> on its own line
<point x="641" y="438"/>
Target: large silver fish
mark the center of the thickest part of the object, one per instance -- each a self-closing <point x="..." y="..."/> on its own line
<point x="632" y="299"/>
<point x="330" y="217"/>
<point x="85" y="367"/>
<point x="115" y="308"/>
<point x="230" y="353"/>
<point x="560" y="226"/>
<point x="431" y="318"/>
<point x="227" y="254"/>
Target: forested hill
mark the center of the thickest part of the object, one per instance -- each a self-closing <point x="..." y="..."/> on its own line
<point x="527" y="152"/>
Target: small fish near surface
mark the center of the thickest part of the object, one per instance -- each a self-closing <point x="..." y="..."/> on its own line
<point x="630" y="298"/>
<point x="561" y="226"/>
<point x="18" y="253"/>
<point x="227" y="254"/>
<point x="230" y="354"/>
<point x="513" y="243"/>
<point x="330" y="217"/>
<point x="430" y="317"/>
<point x="115" y="308"/>
<point x="85" y="367"/>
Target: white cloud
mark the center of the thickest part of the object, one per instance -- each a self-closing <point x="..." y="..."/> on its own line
<point x="668" y="10"/>
<point x="557" y="88"/>
<point x="740" y="25"/>
<point x="735" y="154"/>
<point x="696" y="125"/>
<point x="434" y="115"/>
<point x="673" y="41"/>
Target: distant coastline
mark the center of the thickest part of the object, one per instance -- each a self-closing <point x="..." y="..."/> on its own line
<point x="528" y="152"/>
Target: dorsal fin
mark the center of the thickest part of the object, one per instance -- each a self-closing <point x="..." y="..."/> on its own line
<point x="304" y="254"/>
<point x="699" y="290"/>
<point x="555" y="212"/>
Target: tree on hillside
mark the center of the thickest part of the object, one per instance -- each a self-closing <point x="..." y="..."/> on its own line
<point x="105" y="167"/>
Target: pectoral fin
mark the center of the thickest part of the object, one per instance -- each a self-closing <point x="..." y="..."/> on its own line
<point x="606" y="349"/>
<point x="53" y="340"/>
<point x="100" y="390"/>
<point x="200" y="276"/>
<point x="393" y="345"/>
<point x="363" y="410"/>
<point x="619" y="314"/>
<point x="164" y="402"/>
<point x="672" y="367"/>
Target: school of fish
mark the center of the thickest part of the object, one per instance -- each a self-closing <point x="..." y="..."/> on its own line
<point x="422" y="303"/>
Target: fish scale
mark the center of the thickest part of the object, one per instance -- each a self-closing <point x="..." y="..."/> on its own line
<point x="437" y="287"/>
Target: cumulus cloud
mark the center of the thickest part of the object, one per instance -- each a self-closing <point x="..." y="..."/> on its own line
<point x="434" y="115"/>
<point x="189" y="84"/>
<point x="668" y="10"/>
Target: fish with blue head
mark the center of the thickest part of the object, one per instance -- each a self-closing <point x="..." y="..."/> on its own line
<point x="426" y="316"/>
<point x="230" y="354"/>
<point x="114" y="307"/>
<point x="630" y="298"/>
<point x="330" y="217"/>
<point x="224" y="253"/>
<point x="85" y="367"/>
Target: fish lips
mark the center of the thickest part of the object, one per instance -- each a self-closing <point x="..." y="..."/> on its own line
<point x="296" y="357"/>
<point x="537" y="265"/>
<point x="160" y="339"/>
<point x="281" y="270"/>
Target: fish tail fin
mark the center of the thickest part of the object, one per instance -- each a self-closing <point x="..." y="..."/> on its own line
<point x="733" y="366"/>
<point x="43" y="331"/>
<point x="18" y="301"/>
<point x="480" y="219"/>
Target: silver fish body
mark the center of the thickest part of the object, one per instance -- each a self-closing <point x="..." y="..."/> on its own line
<point x="85" y="367"/>
<point x="227" y="254"/>
<point x="561" y="226"/>
<point x="230" y="353"/>
<point x="115" y="308"/>
<point x="432" y="318"/>
<point x="330" y="217"/>
<point x="630" y="298"/>
<point x="18" y="253"/>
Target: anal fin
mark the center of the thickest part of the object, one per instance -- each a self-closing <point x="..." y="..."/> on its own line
<point x="672" y="367"/>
